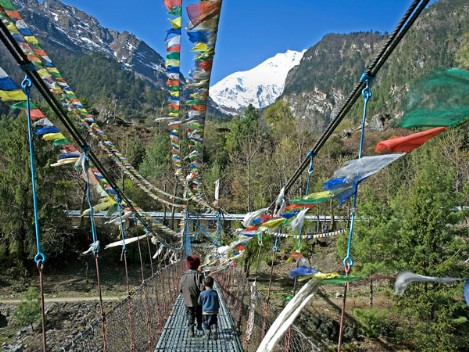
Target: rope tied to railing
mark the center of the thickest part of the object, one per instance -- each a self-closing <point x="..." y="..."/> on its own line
<point x="40" y="257"/>
<point x="85" y="163"/>
<point x="348" y="260"/>
<point x="124" y="258"/>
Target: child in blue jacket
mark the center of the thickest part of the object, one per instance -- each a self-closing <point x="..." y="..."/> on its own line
<point x="208" y="299"/>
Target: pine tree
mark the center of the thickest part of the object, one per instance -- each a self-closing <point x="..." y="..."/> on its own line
<point x="428" y="242"/>
<point x="28" y="311"/>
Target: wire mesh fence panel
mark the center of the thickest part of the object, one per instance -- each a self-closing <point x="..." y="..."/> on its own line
<point x="118" y="327"/>
<point x="137" y="322"/>
<point x="253" y="315"/>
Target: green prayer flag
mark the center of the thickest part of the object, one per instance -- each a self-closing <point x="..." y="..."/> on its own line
<point x="174" y="55"/>
<point x="58" y="142"/>
<point x="22" y="105"/>
<point x="176" y="11"/>
<point x="342" y="279"/>
<point x="7" y="5"/>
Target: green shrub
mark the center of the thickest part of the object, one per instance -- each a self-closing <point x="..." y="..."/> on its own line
<point x="374" y="323"/>
<point x="29" y="310"/>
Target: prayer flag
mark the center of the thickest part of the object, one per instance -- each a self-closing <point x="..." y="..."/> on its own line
<point x="174" y="48"/>
<point x="173" y="41"/>
<point x="173" y="55"/>
<point x="359" y="169"/>
<point x="7" y="5"/>
<point x="202" y="11"/>
<point x="198" y="36"/>
<point x="12" y="95"/>
<point x="53" y="136"/>
<point x="313" y="198"/>
<point x="176" y="22"/>
<point x="176" y="11"/>
<point x="408" y="143"/>
<point x="172" y="3"/>
<point x="175" y="31"/>
<point x="200" y="47"/>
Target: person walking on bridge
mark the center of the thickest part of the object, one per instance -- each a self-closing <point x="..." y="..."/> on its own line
<point x="190" y="285"/>
<point x="209" y="301"/>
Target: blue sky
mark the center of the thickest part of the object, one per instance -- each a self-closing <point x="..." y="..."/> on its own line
<point x="250" y="31"/>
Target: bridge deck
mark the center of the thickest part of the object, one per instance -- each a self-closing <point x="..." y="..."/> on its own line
<point x="175" y="337"/>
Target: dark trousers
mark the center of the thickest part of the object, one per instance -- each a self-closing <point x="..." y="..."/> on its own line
<point x="193" y="314"/>
<point x="209" y="320"/>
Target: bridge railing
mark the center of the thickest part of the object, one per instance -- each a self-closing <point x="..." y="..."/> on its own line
<point x="253" y="314"/>
<point x="135" y="323"/>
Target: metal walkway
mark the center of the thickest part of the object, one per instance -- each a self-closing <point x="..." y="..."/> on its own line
<point x="175" y="337"/>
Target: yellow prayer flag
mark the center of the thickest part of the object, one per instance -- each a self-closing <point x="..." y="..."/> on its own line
<point x="174" y="94"/>
<point x="12" y="28"/>
<point x="176" y="22"/>
<point x="107" y="203"/>
<point x="53" y="69"/>
<point x="172" y="62"/>
<point x="31" y="39"/>
<point x="274" y="223"/>
<point x="319" y="276"/>
<point x="320" y="195"/>
<point x="12" y="95"/>
<point x="43" y="73"/>
<point x="202" y="47"/>
<point x="53" y="136"/>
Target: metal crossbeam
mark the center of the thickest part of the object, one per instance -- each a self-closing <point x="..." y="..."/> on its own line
<point x="205" y="217"/>
<point x="175" y="336"/>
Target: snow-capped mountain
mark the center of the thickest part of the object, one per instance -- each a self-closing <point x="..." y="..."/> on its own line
<point x="259" y="86"/>
<point x="68" y="27"/>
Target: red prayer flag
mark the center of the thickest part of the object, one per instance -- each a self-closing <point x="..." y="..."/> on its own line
<point x="299" y="206"/>
<point x="174" y="48"/>
<point x="407" y="143"/>
<point x="173" y="106"/>
<point x="199" y="107"/>
<point x="296" y="255"/>
<point x="13" y="14"/>
<point x="172" y="3"/>
<point x="69" y="148"/>
<point x="36" y="114"/>
<point x="172" y="82"/>
<point x="40" y="52"/>
<point x="202" y="11"/>
<point x="206" y="65"/>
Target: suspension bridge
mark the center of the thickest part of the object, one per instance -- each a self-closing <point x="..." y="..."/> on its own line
<point x="151" y="317"/>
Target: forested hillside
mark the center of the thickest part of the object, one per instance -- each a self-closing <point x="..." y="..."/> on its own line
<point x="331" y="68"/>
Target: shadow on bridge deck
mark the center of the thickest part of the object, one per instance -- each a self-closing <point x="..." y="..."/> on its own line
<point x="175" y="337"/>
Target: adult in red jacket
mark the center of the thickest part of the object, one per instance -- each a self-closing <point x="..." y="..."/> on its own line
<point x="190" y="285"/>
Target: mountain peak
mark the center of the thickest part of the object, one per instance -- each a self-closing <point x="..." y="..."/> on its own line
<point x="68" y="27"/>
<point x="259" y="86"/>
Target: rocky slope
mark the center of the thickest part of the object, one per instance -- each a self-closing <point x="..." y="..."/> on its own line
<point x="58" y="24"/>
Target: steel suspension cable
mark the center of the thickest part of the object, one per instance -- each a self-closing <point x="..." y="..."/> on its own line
<point x="396" y="36"/>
